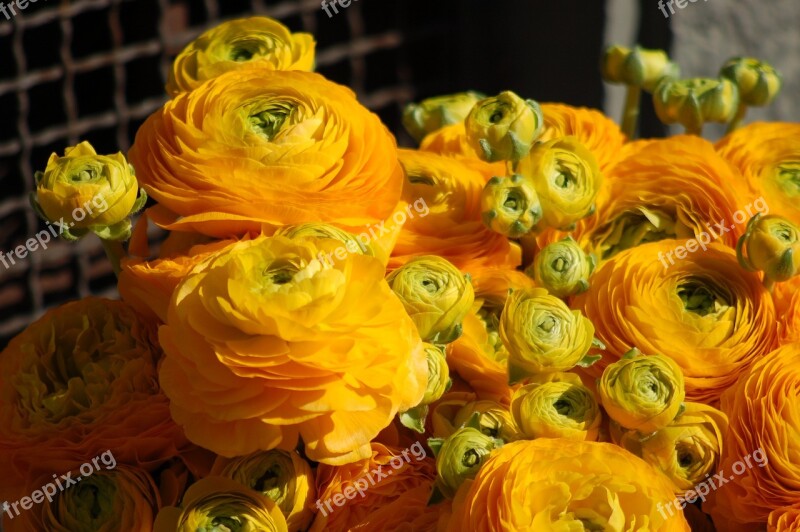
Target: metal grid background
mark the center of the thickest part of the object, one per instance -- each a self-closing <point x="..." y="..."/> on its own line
<point x="95" y="69"/>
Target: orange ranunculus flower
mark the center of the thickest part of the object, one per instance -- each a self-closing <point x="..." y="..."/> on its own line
<point x="784" y="520"/>
<point x="673" y="188"/>
<point x="787" y="306"/>
<point x="217" y="503"/>
<point x="560" y="484"/>
<point x="268" y="341"/>
<point x="761" y="445"/>
<point x="601" y="135"/>
<point x="256" y="149"/>
<point x="388" y="490"/>
<point x="111" y="498"/>
<point x="238" y="44"/>
<point x="442" y="216"/>
<point x="704" y="312"/>
<point x="768" y="156"/>
<point x="452" y="141"/>
<point x="77" y="382"/>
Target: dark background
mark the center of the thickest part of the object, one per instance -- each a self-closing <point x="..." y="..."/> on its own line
<point x="95" y="69"/>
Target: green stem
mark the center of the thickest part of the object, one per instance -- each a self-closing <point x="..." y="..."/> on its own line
<point x="115" y="252"/>
<point x="737" y="119"/>
<point x="630" y="115"/>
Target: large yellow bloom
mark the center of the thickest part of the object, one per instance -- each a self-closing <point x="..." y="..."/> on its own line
<point x="761" y="446"/>
<point x="564" y="485"/>
<point x="768" y="156"/>
<point x="687" y="450"/>
<point x="267" y="343"/>
<point x="673" y="188"/>
<point x="257" y="148"/>
<point x="77" y="382"/>
<point x="283" y="476"/>
<point x="237" y="44"/>
<point x="705" y="312"/>
<point x="441" y="215"/>
<point x="218" y="503"/>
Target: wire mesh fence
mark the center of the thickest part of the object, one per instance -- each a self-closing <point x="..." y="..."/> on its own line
<point x="95" y="69"/>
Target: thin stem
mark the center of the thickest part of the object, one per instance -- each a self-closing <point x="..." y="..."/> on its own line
<point x="737" y="119"/>
<point x="630" y="115"/>
<point x="695" y="130"/>
<point x="115" y="252"/>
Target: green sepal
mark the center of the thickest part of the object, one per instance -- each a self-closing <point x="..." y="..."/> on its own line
<point x="414" y="418"/>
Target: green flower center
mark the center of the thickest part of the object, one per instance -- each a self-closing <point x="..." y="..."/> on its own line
<point x="789" y="178"/>
<point x="269" y="121"/>
<point x="701" y="299"/>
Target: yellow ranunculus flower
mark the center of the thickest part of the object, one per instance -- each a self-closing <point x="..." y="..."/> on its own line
<point x="86" y="192"/>
<point x="460" y="456"/>
<point x="687" y="450"/>
<point x="435" y="294"/>
<point x="642" y="393"/>
<point x="255" y="149"/>
<point x="298" y="347"/>
<point x="693" y="102"/>
<point x="639" y="67"/>
<point x="565" y="485"/>
<point x="238" y="44"/>
<point x="218" y="503"/>
<point x="772" y="244"/>
<point x="510" y="205"/>
<point x="322" y="230"/>
<point x="556" y="405"/>
<point x="758" y="82"/>
<point x="283" y="476"/>
<point x="705" y="312"/>
<point x="431" y="114"/>
<point x="562" y="268"/>
<point x="542" y="334"/>
<point x="503" y="127"/>
<point x="566" y="177"/>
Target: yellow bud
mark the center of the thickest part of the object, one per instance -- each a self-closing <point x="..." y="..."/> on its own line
<point x="758" y="82"/>
<point x="772" y="245"/>
<point x="460" y="457"/>
<point x="438" y="374"/>
<point x="566" y="177"/>
<point x="495" y="420"/>
<point x="693" y="102"/>
<point x="432" y="114"/>
<point x="642" y="393"/>
<point x="88" y="193"/>
<point x="639" y="67"/>
<point x="557" y="405"/>
<point x="503" y="127"/>
<point x="562" y="268"/>
<point x="542" y="334"/>
<point x="510" y="205"/>
<point x="435" y="294"/>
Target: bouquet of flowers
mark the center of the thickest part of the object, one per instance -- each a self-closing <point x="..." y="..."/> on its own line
<point x="533" y="321"/>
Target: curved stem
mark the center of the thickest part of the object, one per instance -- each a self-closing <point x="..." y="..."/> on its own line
<point x="630" y="115"/>
<point x="734" y="124"/>
<point x="115" y="252"/>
